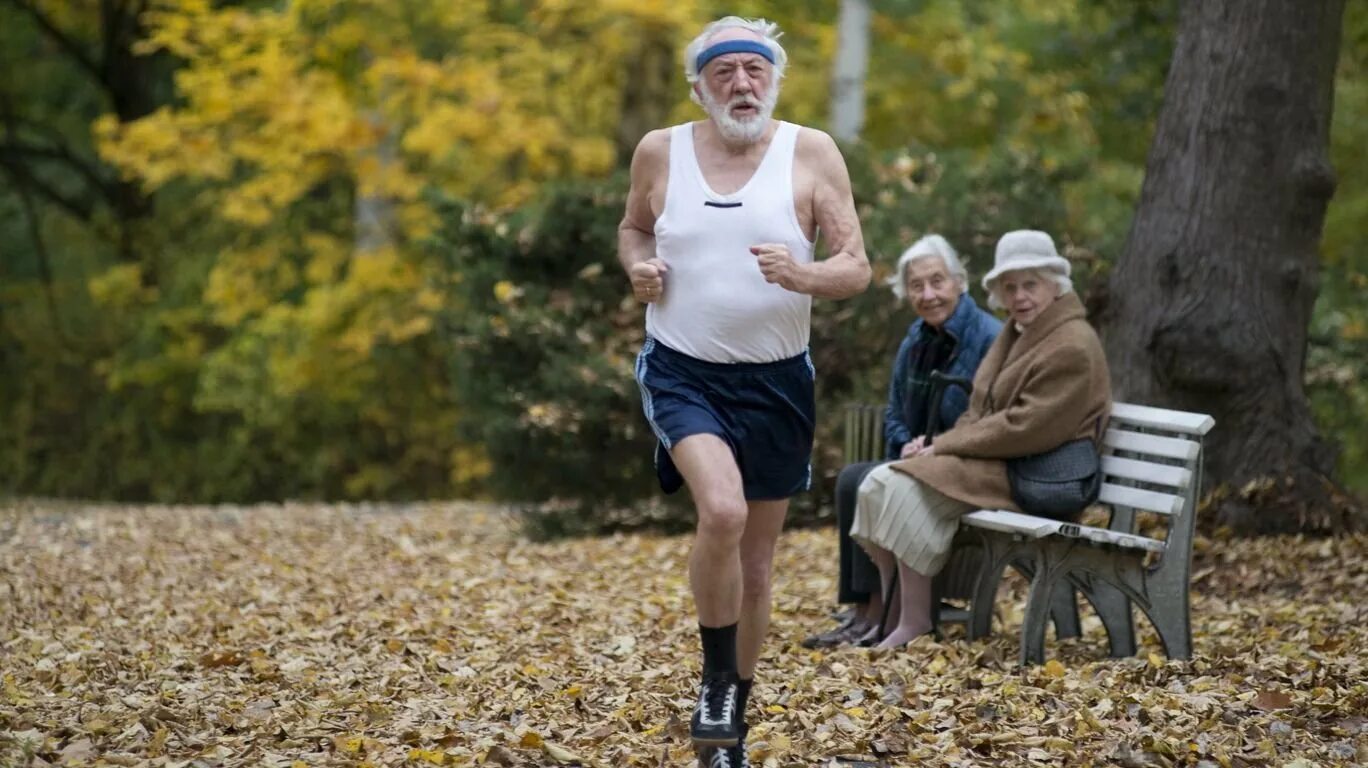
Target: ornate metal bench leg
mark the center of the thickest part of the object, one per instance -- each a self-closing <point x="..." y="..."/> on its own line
<point x="1063" y="602"/>
<point x="980" y="622"/>
<point x="1169" y="615"/>
<point x="1037" y="613"/>
<point x="1064" y="611"/>
<point x="1114" y="609"/>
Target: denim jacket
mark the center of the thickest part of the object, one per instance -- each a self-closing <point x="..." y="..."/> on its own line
<point x="973" y="331"/>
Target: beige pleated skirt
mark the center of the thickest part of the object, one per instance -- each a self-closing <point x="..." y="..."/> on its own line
<point x="914" y="521"/>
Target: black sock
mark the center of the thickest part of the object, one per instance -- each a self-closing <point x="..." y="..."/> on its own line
<point x="719" y="649"/>
<point x="743" y="689"/>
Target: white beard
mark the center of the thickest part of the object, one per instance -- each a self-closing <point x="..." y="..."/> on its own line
<point x="749" y="130"/>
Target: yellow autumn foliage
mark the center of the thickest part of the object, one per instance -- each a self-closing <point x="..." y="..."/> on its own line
<point x="393" y="97"/>
<point x="486" y="104"/>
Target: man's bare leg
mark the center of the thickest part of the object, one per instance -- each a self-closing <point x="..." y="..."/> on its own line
<point x="709" y="469"/>
<point x="764" y="522"/>
<point x="763" y="525"/>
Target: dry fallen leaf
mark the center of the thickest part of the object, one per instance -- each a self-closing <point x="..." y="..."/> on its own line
<point x="560" y="754"/>
<point x="1271" y="700"/>
<point x="429" y="756"/>
<point x="78" y="751"/>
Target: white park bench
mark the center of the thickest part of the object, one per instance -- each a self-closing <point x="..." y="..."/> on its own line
<point x="1152" y="463"/>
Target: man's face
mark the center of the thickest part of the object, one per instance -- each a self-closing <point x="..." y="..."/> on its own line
<point x="738" y="90"/>
<point x="931" y="290"/>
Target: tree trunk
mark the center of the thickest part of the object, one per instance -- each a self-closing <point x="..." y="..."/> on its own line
<point x="648" y="91"/>
<point x="1210" y="301"/>
<point x="373" y="215"/>
<point x="848" y="76"/>
<point x="133" y="84"/>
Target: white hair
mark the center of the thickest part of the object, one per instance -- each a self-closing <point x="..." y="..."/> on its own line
<point x="1060" y="280"/>
<point x="767" y="30"/>
<point x="925" y="248"/>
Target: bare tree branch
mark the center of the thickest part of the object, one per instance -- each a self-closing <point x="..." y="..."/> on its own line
<point x="110" y="20"/>
<point x="17" y="149"/>
<point x="81" y="208"/>
<point x="15" y="154"/>
<point x="65" y="41"/>
<point x="44" y="260"/>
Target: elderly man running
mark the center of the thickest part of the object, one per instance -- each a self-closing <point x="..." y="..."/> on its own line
<point x="718" y="241"/>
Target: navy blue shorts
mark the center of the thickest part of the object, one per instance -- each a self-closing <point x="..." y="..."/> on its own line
<point x="765" y="412"/>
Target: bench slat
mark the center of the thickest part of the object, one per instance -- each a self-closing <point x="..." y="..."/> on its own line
<point x="1013" y="522"/>
<point x="1154" y="445"/>
<point x="1113" y="538"/>
<point x="1177" y="478"/>
<point x="1135" y="498"/>
<point x="1162" y="418"/>
<point x="1016" y="523"/>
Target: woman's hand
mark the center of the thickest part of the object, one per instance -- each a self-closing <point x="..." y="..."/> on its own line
<point x="913" y="446"/>
<point x="927" y="451"/>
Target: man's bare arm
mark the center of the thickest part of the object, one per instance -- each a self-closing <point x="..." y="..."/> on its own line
<point x="845" y="271"/>
<point x="636" y="233"/>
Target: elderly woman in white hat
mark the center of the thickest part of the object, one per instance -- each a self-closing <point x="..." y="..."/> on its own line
<point x="1043" y="383"/>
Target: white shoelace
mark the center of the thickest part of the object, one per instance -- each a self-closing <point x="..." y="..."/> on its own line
<point x="720" y="759"/>
<point x="728" y="706"/>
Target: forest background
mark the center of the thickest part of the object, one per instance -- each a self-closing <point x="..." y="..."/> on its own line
<point x="365" y="249"/>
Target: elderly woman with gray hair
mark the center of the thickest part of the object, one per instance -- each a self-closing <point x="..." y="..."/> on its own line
<point x="1043" y="383"/>
<point x="950" y="335"/>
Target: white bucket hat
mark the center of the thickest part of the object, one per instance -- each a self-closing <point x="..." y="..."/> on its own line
<point x="1025" y="249"/>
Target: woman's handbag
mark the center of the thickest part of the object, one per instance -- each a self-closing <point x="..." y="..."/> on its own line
<point x="1058" y="483"/>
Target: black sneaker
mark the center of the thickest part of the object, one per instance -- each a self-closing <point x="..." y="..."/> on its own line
<point x="724" y="757"/>
<point x="715" y="721"/>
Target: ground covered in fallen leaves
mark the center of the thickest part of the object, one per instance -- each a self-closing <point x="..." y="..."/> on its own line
<point x="306" y="635"/>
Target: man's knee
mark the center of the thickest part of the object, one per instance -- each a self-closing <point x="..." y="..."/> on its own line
<point x="722" y="518"/>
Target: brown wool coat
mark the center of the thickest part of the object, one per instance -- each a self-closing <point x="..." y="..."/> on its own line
<point x="1035" y="390"/>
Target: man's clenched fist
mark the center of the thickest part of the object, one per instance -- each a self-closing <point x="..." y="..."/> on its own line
<point x="777" y="265"/>
<point x="648" y="279"/>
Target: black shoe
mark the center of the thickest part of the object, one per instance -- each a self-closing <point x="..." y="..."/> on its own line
<point x="715" y="721"/>
<point x="872" y="637"/>
<point x="724" y="757"/>
<point x="842" y="635"/>
<point x="828" y="638"/>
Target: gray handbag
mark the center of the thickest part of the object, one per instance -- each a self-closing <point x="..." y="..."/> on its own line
<point x="1059" y="483"/>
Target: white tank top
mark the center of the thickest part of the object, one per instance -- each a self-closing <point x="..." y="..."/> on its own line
<point x="716" y="305"/>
